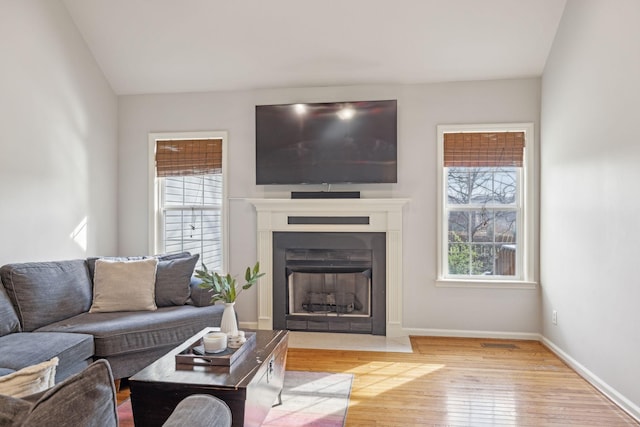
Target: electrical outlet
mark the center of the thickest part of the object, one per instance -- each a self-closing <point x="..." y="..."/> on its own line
<point x="554" y="317"/>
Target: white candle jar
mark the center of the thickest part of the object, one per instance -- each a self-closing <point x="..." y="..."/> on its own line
<point x="214" y="342"/>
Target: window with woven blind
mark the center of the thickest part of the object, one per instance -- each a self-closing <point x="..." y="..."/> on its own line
<point x="483" y="204"/>
<point x="480" y="149"/>
<point x="188" y="157"/>
<point x="189" y="196"/>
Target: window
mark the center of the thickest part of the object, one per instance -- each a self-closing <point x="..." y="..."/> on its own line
<point x="485" y="200"/>
<point x="188" y="193"/>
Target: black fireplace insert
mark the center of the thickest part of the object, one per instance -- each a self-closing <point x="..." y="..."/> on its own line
<point x="332" y="282"/>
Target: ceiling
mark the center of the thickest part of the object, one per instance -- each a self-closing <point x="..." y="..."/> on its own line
<point x="166" y="46"/>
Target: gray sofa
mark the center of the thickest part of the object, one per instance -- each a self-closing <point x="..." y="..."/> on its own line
<point x="44" y="313"/>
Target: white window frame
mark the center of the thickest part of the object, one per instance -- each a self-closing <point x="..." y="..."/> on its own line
<point x="156" y="224"/>
<point x="526" y="222"/>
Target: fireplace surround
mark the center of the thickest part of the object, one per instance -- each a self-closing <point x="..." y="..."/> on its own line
<point x="382" y="216"/>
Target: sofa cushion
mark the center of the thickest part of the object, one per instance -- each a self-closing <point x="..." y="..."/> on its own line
<point x="23" y="349"/>
<point x="46" y="292"/>
<point x="172" y="280"/>
<point x="87" y="399"/>
<point x="30" y="380"/>
<point x="130" y="332"/>
<point x="6" y="371"/>
<point x="124" y="285"/>
<point x="72" y="370"/>
<point x="8" y="319"/>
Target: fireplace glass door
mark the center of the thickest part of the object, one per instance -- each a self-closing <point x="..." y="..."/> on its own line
<point x="330" y="282"/>
<point x="330" y="294"/>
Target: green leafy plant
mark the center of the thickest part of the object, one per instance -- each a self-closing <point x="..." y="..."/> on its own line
<point x="463" y="259"/>
<point x="224" y="287"/>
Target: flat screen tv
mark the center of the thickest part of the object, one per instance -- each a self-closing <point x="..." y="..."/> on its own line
<point x="327" y="143"/>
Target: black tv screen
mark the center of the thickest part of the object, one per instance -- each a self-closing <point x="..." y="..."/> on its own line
<point x="327" y="143"/>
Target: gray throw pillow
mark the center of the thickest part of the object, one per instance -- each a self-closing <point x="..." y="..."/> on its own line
<point x="8" y="319"/>
<point x="47" y="292"/>
<point x="199" y="297"/>
<point x="172" y="280"/>
<point x="175" y="255"/>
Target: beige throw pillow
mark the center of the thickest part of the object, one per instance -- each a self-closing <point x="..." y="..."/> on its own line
<point x="29" y="380"/>
<point x="124" y="285"/>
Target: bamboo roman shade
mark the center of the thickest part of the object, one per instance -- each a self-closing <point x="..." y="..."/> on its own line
<point x="188" y="157"/>
<point x="483" y="149"/>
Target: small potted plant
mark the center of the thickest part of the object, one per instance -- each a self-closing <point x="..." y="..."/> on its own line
<point x="225" y="288"/>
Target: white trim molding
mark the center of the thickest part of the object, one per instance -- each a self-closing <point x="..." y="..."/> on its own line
<point x="385" y="215"/>
<point x="153" y="188"/>
<point x="486" y="284"/>
<point x="612" y="394"/>
<point x="459" y="333"/>
<point x="526" y="260"/>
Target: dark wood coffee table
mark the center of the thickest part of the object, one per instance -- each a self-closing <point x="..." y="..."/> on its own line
<point x="250" y="386"/>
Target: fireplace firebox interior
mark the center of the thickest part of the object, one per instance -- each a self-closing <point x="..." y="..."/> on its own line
<point x="332" y="282"/>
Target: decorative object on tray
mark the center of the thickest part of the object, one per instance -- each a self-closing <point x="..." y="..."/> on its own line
<point x="195" y="354"/>
<point x="238" y="340"/>
<point x="223" y="288"/>
<point x="214" y="342"/>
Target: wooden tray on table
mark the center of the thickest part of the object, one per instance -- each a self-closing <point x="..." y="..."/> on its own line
<point x="195" y="354"/>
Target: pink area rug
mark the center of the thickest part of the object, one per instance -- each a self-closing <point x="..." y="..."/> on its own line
<point x="313" y="399"/>
<point x="309" y="399"/>
<point x="125" y="415"/>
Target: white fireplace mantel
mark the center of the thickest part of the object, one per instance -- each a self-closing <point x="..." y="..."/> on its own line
<point x="384" y="215"/>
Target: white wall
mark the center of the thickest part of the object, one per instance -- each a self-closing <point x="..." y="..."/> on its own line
<point x="420" y="109"/>
<point x="590" y="175"/>
<point x="58" y="141"/>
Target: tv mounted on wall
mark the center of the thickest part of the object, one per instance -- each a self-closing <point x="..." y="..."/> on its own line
<point x="327" y="143"/>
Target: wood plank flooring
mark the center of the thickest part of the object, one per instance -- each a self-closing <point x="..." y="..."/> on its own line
<point x="461" y="382"/>
<point x="464" y="382"/>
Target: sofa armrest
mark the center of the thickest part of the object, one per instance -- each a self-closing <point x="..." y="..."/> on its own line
<point x="13" y="410"/>
<point x="200" y="410"/>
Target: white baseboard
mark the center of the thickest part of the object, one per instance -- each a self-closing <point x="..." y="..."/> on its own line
<point x="248" y="325"/>
<point x="472" y="334"/>
<point x="604" y="388"/>
<point x="403" y="332"/>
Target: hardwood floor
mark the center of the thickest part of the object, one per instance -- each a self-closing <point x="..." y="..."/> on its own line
<point x="122" y="391"/>
<point x="464" y="382"/>
<point x="461" y="382"/>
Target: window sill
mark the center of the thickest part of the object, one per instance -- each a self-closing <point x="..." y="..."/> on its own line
<point x="486" y="284"/>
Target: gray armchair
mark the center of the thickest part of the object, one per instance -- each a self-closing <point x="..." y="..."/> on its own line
<point x="200" y="410"/>
<point x="88" y="399"/>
